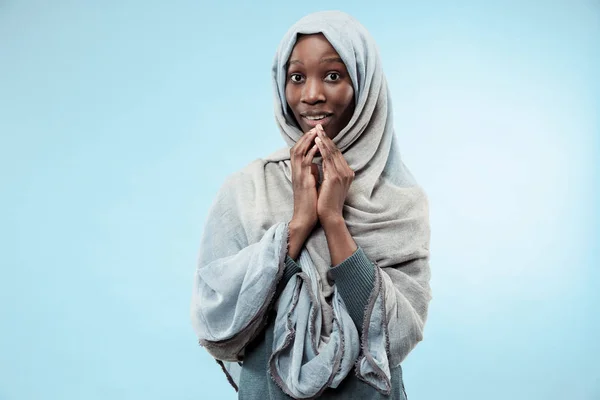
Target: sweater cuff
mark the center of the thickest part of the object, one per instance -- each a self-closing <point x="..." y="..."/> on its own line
<point x="355" y="280"/>
<point x="291" y="269"/>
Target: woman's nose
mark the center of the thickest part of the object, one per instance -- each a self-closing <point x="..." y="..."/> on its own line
<point x="312" y="92"/>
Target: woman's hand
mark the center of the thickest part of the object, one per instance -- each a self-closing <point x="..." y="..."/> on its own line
<point x="304" y="186"/>
<point x="337" y="177"/>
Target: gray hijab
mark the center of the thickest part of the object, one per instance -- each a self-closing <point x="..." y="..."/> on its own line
<point x="245" y="241"/>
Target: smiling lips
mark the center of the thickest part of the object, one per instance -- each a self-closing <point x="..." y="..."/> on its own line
<point x="316" y="116"/>
<point x="314" y="119"/>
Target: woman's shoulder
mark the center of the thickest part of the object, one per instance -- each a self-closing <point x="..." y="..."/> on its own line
<point x="258" y="168"/>
<point x="254" y="179"/>
<point x="245" y="179"/>
<point x="246" y="174"/>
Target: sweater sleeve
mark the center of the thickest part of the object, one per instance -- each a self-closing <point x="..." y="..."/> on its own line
<point x="291" y="269"/>
<point x="354" y="278"/>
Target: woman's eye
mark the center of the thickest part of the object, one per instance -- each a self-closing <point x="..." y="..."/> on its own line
<point x="333" y="76"/>
<point x="296" y="78"/>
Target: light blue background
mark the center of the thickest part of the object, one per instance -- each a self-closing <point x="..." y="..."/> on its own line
<point x="120" y="120"/>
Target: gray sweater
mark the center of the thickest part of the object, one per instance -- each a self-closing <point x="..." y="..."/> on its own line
<point x="354" y="279"/>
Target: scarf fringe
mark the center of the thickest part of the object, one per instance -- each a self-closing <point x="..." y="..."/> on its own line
<point x="366" y="354"/>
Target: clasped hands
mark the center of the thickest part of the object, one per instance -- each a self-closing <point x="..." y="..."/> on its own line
<point x="325" y="204"/>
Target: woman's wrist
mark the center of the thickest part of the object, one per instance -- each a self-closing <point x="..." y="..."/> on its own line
<point x="297" y="233"/>
<point x="332" y="222"/>
<point x="341" y="244"/>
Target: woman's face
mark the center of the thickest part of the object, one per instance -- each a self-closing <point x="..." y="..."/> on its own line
<point x="318" y="88"/>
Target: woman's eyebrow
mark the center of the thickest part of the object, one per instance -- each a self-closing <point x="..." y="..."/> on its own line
<point x="321" y="61"/>
<point x="331" y="59"/>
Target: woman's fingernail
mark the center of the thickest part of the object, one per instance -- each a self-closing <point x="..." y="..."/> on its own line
<point x="318" y="139"/>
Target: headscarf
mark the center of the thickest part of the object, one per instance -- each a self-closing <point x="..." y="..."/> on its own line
<point x="386" y="213"/>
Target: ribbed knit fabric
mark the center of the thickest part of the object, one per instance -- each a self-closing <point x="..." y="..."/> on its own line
<point x="354" y="278"/>
<point x="291" y="269"/>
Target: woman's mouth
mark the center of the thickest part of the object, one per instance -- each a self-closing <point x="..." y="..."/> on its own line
<point x="314" y="120"/>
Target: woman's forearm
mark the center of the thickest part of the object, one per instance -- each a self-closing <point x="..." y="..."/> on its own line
<point x="340" y="242"/>
<point x="297" y="234"/>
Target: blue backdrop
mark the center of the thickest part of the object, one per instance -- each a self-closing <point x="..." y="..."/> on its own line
<point x="119" y="120"/>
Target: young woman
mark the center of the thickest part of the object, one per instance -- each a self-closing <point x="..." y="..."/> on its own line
<point x="313" y="274"/>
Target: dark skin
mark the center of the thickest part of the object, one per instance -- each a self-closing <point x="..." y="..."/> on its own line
<point x="320" y="95"/>
<point x="318" y="83"/>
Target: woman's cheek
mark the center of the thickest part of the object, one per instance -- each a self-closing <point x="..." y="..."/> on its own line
<point x="349" y="94"/>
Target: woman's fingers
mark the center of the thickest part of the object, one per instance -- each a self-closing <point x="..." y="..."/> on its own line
<point x="302" y="155"/>
<point x="311" y="153"/>
<point x="328" y="165"/>
<point x="304" y="143"/>
<point x="325" y="139"/>
<point x="327" y="151"/>
<point x="307" y="164"/>
<point x="333" y="160"/>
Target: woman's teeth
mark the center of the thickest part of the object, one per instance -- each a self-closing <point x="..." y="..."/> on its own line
<point x="316" y="118"/>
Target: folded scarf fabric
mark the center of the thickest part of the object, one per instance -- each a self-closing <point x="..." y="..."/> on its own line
<point x="244" y="244"/>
